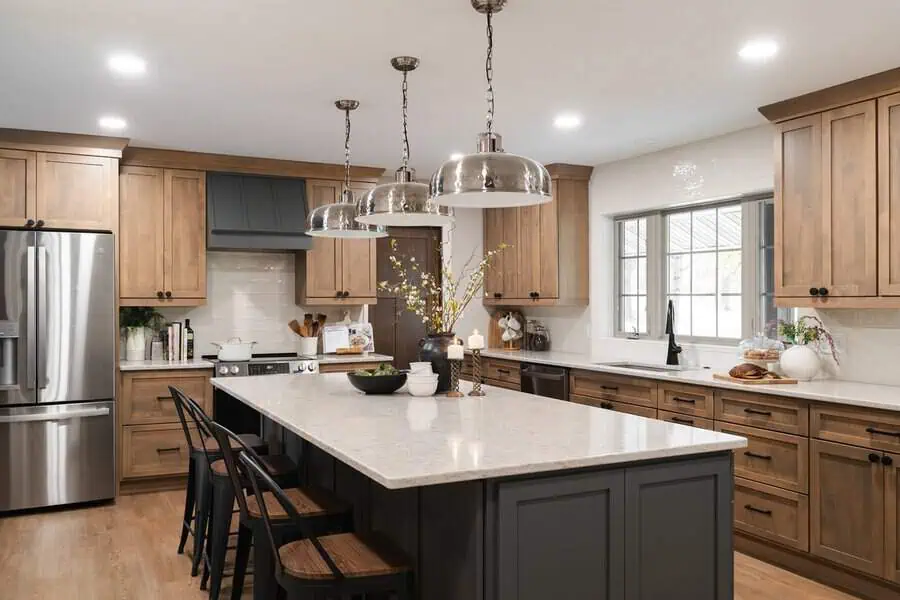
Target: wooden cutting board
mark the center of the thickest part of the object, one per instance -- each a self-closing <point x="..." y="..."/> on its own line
<point x="727" y="377"/>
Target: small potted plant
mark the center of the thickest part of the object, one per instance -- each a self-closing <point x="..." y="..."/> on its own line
<point x="806" y="336"/>
<point x="135" y="320"/>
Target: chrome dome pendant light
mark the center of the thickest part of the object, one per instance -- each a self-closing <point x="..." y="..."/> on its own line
<point x="339" y="220"/>
<point x="490" y="178"/>
<point x="403" y="202"/>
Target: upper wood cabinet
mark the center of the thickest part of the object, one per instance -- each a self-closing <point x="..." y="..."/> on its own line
<point x="547" y="263"/>
<point x="889" y="195"/>
<point x="162" y="237"/>
<point x="826" y="204"/>
<point x="334" y="271"/>
<point x="64" y="191"/>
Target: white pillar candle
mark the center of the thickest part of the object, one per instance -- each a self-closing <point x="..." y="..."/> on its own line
<point x="455" y="350"/>
<point x="476" y="341"/>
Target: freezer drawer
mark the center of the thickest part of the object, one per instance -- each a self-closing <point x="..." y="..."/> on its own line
<point x="60" y="454"/>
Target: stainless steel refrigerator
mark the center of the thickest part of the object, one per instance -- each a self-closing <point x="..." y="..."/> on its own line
<point x="57" y="368"/>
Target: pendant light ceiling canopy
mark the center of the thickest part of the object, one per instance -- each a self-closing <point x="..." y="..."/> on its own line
<point x="403" y="202"/>
<point x="339" y="220"/>
<point x="490" y="178"/>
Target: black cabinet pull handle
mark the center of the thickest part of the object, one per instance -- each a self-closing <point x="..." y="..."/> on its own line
<point x="761" y="511"/>
<point x="173" y="449"/>
<point x="755" y="455"/>
<point x="159" y="294"/>
<point x="40" y="223"/>
<point x="823" y="291"/>
<point x="874" y="458"/>
<point x="161" y="398"/>
<point x="753" y="411"/>
<point x="887" y="461"/>
<point x="168" y="294"/>
<point x="503" y="371"/>
<point x="609" y="388"/>
<point x="813" y="291"/>
<point x="498" y="295"/>
<point x="882" y="432"/>
<point x="683" y="421"/>
<point x="29" y="223"/>
<point x="688" y="400"/>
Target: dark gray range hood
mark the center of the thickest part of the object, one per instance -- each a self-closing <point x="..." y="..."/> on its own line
<point x="253" y="212"/>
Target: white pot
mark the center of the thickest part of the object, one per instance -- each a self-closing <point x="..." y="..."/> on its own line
<point x="800" y="362"/>
<point x="307" y="346"/>
<point x="135" y="343"/>
<point x="234" y="350"/>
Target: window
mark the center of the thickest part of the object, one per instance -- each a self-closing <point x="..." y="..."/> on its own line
<point x="632" y="269"/>
<point x="714" y="262"/>
<point x="703" y="267"/>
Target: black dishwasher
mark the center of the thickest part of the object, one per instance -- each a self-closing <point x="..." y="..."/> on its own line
<point x="544" y="380"/>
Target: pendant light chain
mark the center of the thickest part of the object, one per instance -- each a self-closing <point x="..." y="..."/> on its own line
<point x="346" y="150"/>
<point x="489" y="72"/>
<point x="405" y="118"/>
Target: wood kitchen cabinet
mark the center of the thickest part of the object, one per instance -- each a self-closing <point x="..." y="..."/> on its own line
<point x="17" y="187"/>
<point x="336" y="271"/>
<point x="892" y="517"/>
<point x="889" y="195"/>
<point x="162" y="237"/>
<point x="547" y="264"/>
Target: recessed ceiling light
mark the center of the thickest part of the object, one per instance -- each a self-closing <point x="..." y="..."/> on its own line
<point x="567" y="121"/>
<point x="114" y="123"/>
<point x="456" y="156"/>
<point x="758" y="50"/>
<point x="127" y="64"/>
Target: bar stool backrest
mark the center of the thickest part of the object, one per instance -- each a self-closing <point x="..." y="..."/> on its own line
<point x="229" y="442"/>
<point x="190" y="410"/>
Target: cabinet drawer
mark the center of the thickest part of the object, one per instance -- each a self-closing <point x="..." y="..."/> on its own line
<point x="856" y="426"/>
<point x="613" y="387"/>
<point x="623" y="407"/>
<point x="154" y="450"/>
<point x="759" y="410"/>
<point x="501" y="370"/>
<point x="347" y="367"/>
<point x="503" y="384"/>
<point x="689" y="420"/>
<point x="686" y="399"/>
<point x="772" y="513"/>
<point x="146" y="397"/>
<point x="777" y="459"/>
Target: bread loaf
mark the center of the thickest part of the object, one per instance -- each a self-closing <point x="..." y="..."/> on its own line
<point x="748" y="371"/>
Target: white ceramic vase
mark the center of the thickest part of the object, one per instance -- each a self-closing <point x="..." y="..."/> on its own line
<point x="800" y="362"/>
<point x="135" y="343"/>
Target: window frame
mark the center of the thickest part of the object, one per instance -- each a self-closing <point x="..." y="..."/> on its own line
<point x="657" y="268"/>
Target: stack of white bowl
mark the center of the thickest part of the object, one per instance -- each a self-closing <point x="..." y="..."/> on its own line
<point x="422" y="380"/>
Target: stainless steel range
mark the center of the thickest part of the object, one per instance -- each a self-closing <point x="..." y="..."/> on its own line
<point x="267" y="364"/>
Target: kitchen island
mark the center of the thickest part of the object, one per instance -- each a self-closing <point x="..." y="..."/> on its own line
<point x="516" y="497"/>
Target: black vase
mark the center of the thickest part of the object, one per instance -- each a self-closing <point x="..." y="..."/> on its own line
<point x="433" y="349"/>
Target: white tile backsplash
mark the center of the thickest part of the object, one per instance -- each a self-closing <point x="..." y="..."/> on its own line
<point x="249" y="295"/>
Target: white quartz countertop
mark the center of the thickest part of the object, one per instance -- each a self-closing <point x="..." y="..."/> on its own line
<point x="866" y="395"/>
<point x="400" y="441"/>
<point x="162" y="365"/>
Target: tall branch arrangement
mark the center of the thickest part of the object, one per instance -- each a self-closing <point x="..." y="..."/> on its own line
<point x="438" y="301"/>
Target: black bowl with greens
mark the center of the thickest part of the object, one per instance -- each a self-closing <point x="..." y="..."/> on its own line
<point x="383" y="380"/>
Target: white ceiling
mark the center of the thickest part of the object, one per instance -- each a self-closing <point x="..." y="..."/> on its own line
<point x="259" y="77"/>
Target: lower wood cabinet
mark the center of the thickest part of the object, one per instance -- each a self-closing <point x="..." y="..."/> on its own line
<point x="145" y="396"/>
<point x="688" y="420"/>
<point x="154" y="451"/>
<point x="773" y="458"/>
<point x="632" y="390"/>
<point x="892" y="518"/>
<point x="623" y="407"/>
<point x="686" y="399"/>
<point x="772" y="513"/>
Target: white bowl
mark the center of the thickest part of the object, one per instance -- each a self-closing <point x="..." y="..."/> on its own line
<point x="420" y="367"/>
<point x="422" y="387"/>
<point x="422" y="378"/>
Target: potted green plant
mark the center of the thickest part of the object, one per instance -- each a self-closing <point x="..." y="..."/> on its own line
<point x="806" y="337"/>
<point x="135" y="320"/>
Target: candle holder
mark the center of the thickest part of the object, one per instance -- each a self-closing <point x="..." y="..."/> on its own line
<point x="454" y="392"/>
<point x="476" y="374"/>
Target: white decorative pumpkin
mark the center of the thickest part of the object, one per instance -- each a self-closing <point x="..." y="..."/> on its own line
<point x="800" y="362"/>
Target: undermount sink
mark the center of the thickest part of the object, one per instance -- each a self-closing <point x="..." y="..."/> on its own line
<point x="644" y="366"/>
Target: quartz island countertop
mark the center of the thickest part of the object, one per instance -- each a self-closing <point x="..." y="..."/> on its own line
<point x="401" y="441"/>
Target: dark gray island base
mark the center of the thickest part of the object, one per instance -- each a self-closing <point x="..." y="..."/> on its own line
<point x="654" y="530"/>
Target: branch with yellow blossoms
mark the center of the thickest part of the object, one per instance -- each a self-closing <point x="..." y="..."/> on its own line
<point x="438" y="301"/>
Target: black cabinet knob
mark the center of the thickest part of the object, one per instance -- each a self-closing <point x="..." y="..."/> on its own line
<point x="498" y="295"/>
<point x="168" y="294"/>
<point x="823" y="291"/>
<point x="338" y="294"/>
<point x="29" y="223"/>
<point x="887" y="461"/>
<point x="40" y="223"/>
<point x="159" y="294"/>
<point x="874" y="458"/>
<point x="813" y="291"/>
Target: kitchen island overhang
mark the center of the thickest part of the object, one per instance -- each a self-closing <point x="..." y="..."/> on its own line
<point x="513" y="496"/>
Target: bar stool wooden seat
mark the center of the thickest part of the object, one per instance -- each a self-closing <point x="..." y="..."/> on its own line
<point x="199" y="485"/>
<point x="321" y="510"/>
<point x="329" y="566"/>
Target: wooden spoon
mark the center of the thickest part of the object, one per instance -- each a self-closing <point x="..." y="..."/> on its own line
<point x="321" y="323"/>
<point x="295" y="327"/>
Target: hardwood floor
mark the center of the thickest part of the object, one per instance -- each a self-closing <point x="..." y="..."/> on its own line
<point x="127" y="551"/>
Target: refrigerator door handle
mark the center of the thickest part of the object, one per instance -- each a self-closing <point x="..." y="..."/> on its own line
<point x="31" y="316"/>
<point x="42" y="317"/>
<point x="55" y="416"/>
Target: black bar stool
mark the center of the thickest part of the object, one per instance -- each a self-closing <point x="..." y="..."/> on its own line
<point x="330" y="566"/>
<point x="199" y="484"/>
<point x="321" y="510"/>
